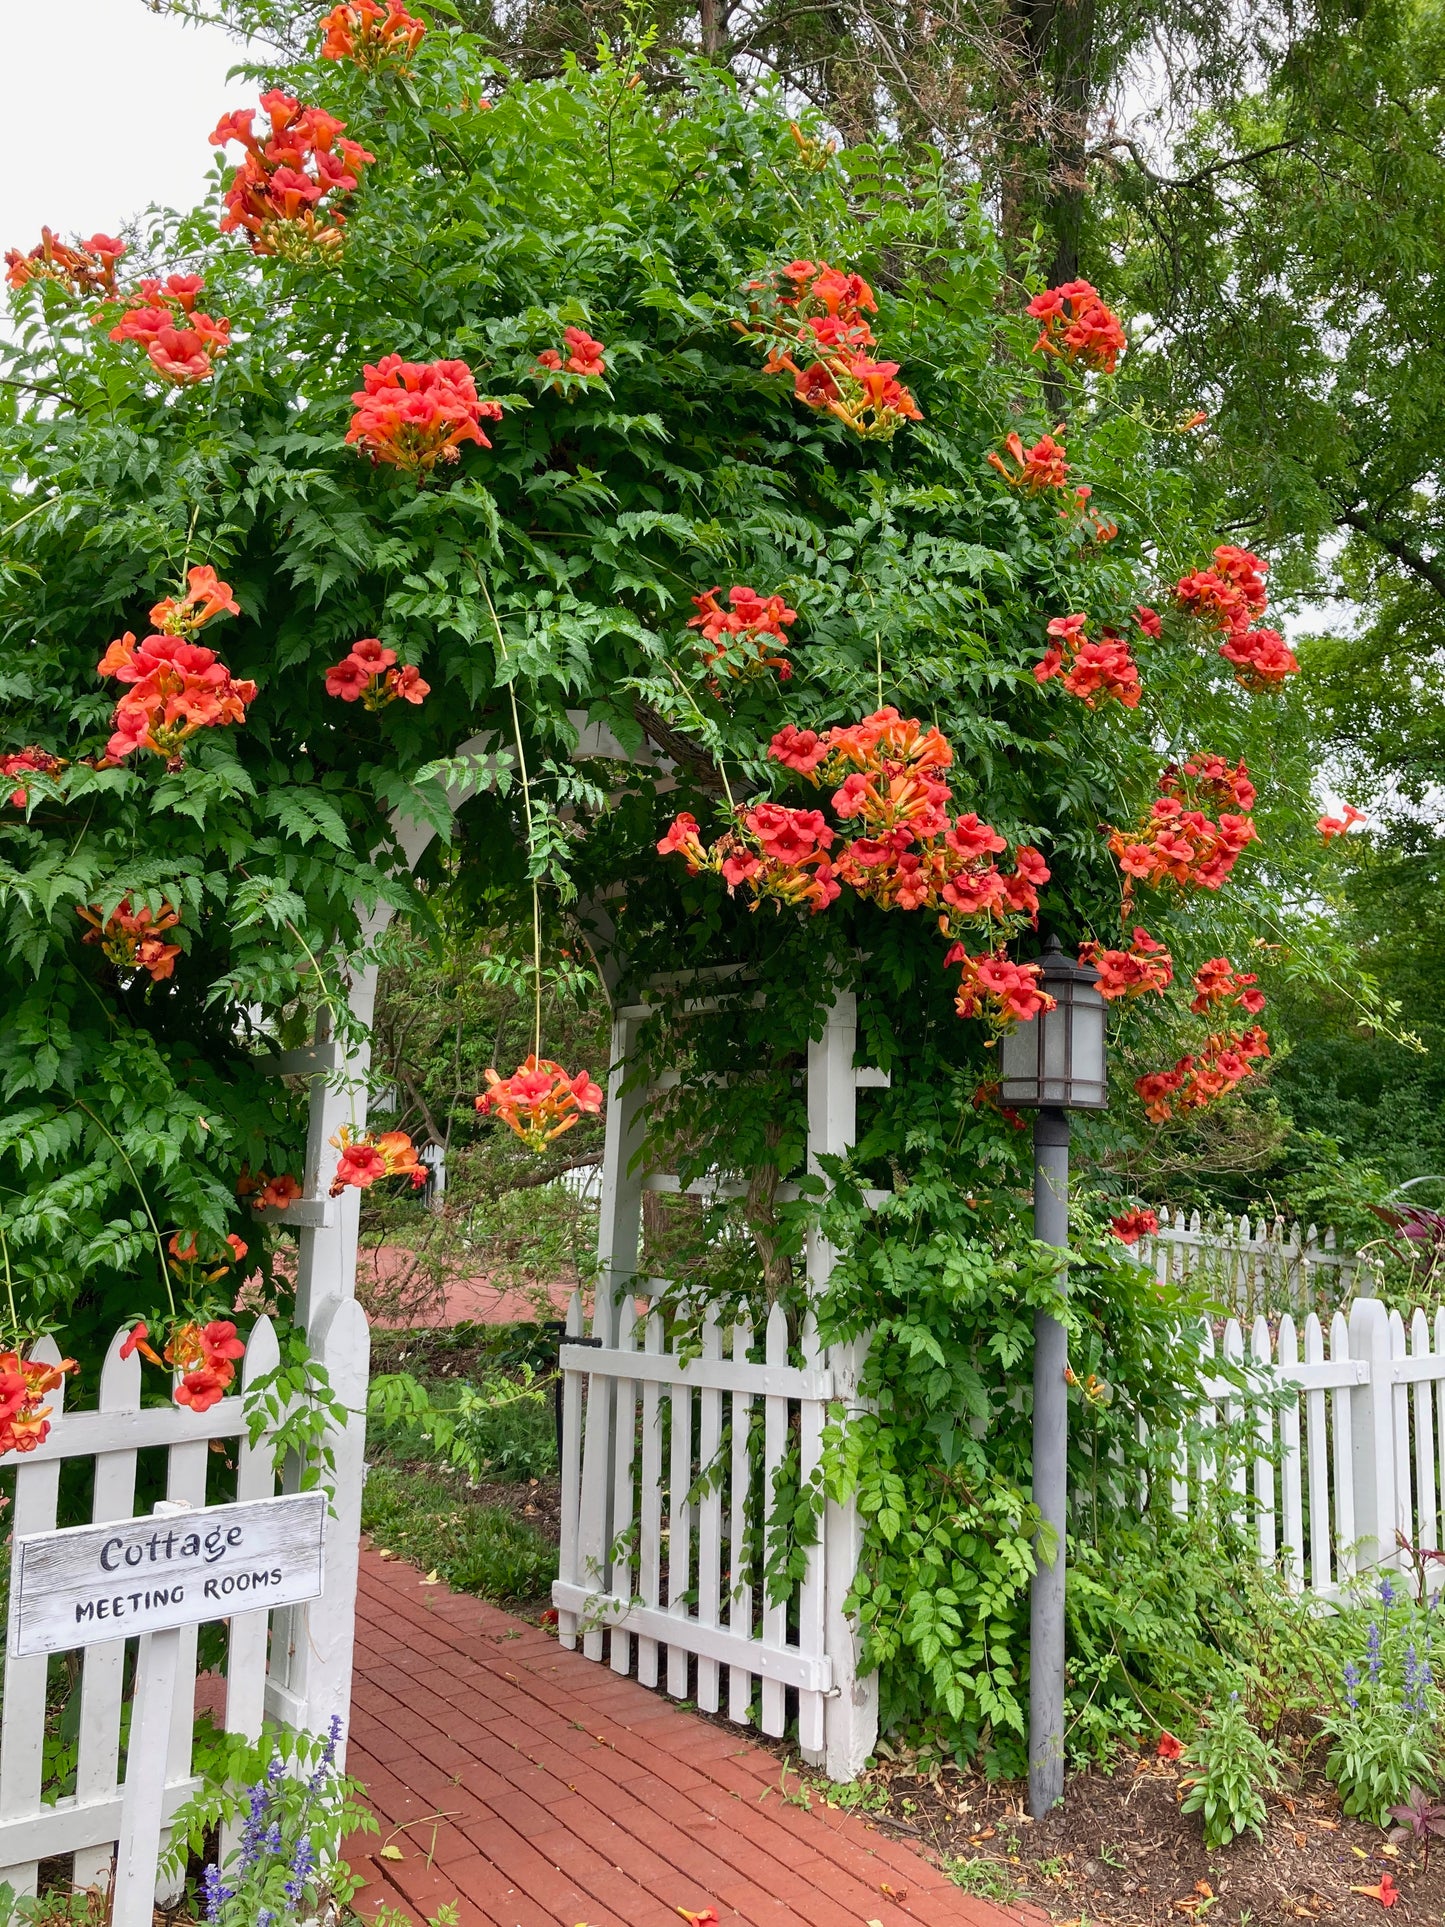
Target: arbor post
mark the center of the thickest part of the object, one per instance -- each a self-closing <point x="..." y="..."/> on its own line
<point x="850" y="1715"/>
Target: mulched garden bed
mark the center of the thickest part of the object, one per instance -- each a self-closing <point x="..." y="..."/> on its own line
<point x="1120" y="1854"/>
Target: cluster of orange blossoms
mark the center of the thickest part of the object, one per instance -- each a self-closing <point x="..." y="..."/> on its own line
<point x="910" y="855"/>
<point x="1199" y="1080"/>
<point x="1218" y="982"/>
<point x="1231" y="596"/>
<point x="1329" y="827"/>
<point x="1145" y="965"/>
<point x="994" y="987"/>
<point x="132" y="938"/>
<point x="540" y="1101"/>
<point x="21" y="763"/>
<point x="1095" y="671"/>
<point x="203" y="1356"/>
<point x="365" y="1158"/>
<point x="820" y="310"/>
<point x="86" y="268"/>
<point x="367" y="673"/>
<point x="1130" y="1226"/>
<point x="1077" y="327"/>
<point x="578" y="355"/>
<point x="1181" y="847"/>
<point x="277" y="193"/>
<point x="1043" y="469"/>
<point x="176" y="686"/>
<point x="744" y="639"/>
<point x="414" y="414"/>
<point x="182" y="343"/>
<point x="1035" y="469"/>
<point x="372" y="36"/>
<point x="25" y="1384"/>
<point x="272" y="1194"/>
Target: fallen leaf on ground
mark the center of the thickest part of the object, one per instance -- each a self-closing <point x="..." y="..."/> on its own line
<point x="433" y="1578"/>
<point x="382" y="1553"/>
<point x="390" y="1853"/>
<point x="1390" y="1850"/>
<point x="1301" y="1839"/>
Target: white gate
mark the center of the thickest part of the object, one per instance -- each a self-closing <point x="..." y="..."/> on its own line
<point x="637" y="1419"/>
<point x="263" y="1661"/>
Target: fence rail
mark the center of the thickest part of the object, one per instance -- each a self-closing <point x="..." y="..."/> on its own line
<point x="1263" y="1267"/>
<point x="37" y="1824"/>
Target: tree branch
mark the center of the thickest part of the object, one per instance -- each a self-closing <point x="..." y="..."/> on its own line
<point x="1405" y="553"/>
<point x="1103" y="151"/>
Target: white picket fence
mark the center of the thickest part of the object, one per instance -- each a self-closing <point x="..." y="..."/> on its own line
<point x="262" y="1674"/>
<point x="1266" y="1267"/>
<point x="1345" y="1468"/>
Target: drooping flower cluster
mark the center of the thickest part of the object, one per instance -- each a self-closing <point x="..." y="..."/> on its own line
<point x="1329" y="827"/>
<point x="176" y="686"/>
<point x="1232" y="596"/>
<point x="777" y="852"/>
<point x="1129" y="1227"/>
<point x="1218" y="982"/>
<point x="887" y="773"/>
<point x="814" y="313"/>
<point x="747" y="638"/>
<point x="132" y="938"/>
<point x="288" y="191"/>
<point x="270" y="1194"/>
<point x="86" y="268"/>
<point x="371" y="35"/>
<point x="540" y="1100"/>
<point x="578" y="355"/>
<point x="366" y="673"/>
<point x="1095" y="671"/>
<point x="1036" y="469"/>
<point x="1077" y="327"/>
<point x="20" y="763"/>
<point x="25" y="1383"/>
<point x="365" y="1158"/>
<point x="1210" y="779"/>
<point x="997" y="989"/>
<point x="1144" y="966"/>
<point x="1199" y="1079"/>
<point x="163" y="318"/>
<point x="203" y="1356"/>
<point x="414" y="414"/>
<point x="1182" y="848"/>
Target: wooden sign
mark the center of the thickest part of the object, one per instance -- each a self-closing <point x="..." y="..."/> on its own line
<point x="88" y="1584"/>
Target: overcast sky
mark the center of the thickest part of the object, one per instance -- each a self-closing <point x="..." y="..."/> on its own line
<point x="107" y="109"/>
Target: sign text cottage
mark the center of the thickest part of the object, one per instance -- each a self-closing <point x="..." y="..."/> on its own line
<point x="90" y="1583"/>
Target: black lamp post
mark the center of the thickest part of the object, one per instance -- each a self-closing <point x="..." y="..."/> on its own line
<point x="1053" y="1065"/>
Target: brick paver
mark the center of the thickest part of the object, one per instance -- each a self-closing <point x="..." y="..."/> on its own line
<point x="537" y="1789"/>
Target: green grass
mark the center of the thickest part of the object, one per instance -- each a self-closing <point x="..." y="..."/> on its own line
<point x="985" y="1879"/>
<point x="484" y="1549"/>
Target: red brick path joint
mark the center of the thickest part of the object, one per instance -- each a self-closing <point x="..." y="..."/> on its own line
<point x="535" y="1788"/>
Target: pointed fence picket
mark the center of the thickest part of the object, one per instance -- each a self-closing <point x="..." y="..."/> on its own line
<point x="1267" y="1267"/>
<point x="122" y="1439"/>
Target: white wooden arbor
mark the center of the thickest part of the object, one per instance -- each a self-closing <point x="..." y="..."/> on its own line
<point x="624" y="1391"/>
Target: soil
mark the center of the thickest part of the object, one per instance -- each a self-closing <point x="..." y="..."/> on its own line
<point x="1119" y="1853"/>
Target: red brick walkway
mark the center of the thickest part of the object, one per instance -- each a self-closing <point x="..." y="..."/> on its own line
<point x="540" y="1790"/>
